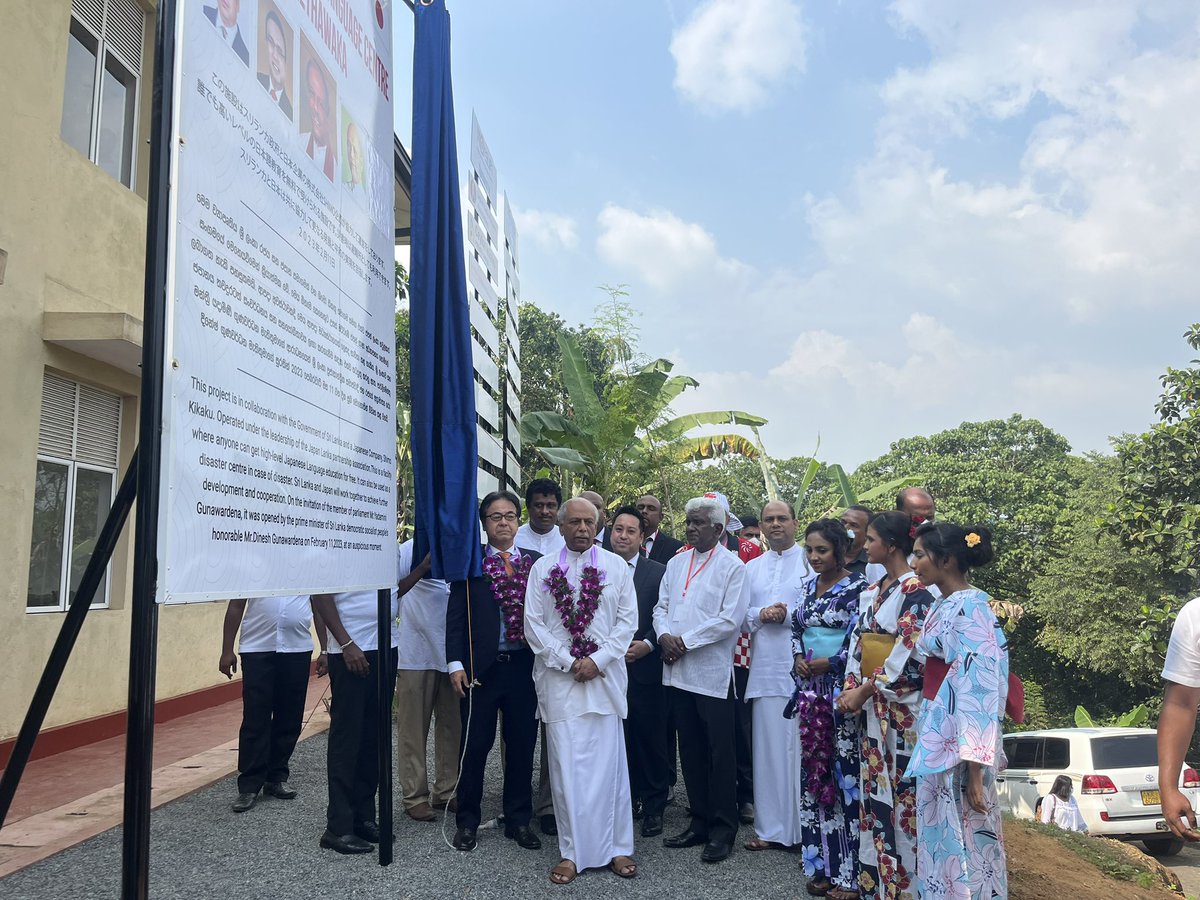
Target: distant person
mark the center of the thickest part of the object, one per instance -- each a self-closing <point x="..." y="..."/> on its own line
<point x="856" y="518"/>
<point x="658" y="545"/>
<point x="424" y="692"/>
<point x="276" y="647"/>
<point x="751" y="530"/>
<point x="224" y="16"/>
<point x="601" y="504"/>
<point x="275" y="78"/>
<point x="1181" y="672"/>
<point x="1059" y="807"/>
<point x="317" y="142"/>
<point x="543" y="497"/>
<point x="960" y="841"/>
<point x="918" y="503"/>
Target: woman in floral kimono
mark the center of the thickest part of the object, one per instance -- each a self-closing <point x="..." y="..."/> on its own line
<point x="888" y="690"/>
<point x="821" y="628"/>
<point x="960" y="845"/>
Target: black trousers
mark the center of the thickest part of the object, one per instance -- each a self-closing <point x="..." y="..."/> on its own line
<point x="507" y="687"/>
<point x="353" y="756"/>
<point x="274" y="686"/>
<point x="707" y="756"/>
<point x="742" y="730"/>
<point x="646" y="746"/>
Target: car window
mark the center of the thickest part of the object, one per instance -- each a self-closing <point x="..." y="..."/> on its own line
<point x="1056" y="754"/>
<point x="1125" y="751"/>
<point x="1025" y="754"/>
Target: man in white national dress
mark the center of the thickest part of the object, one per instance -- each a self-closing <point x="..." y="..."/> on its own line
<point x="772" y="582"/>
<point x="580" y="615"/>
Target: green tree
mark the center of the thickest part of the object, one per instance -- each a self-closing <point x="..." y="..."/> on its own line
<point x="1158" y="507"/>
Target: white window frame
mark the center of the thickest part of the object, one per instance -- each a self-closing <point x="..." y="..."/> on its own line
<point x="104" y="49"/>
<point x="73" y="466"/>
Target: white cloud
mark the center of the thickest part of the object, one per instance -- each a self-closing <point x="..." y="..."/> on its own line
<point x="663" y="251"/>
<point x="549" y="229"/>
<point x="731" y="53"/>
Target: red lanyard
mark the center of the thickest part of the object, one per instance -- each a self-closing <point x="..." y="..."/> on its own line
<point x="688" y="582"/>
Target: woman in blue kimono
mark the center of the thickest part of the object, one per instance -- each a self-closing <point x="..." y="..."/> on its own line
<point x="960" y="844"/>
<point x="883" y="679"/>
<point x="821" y="629"/>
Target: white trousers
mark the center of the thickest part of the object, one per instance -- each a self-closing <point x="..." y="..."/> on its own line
<point x="589" y="779"/>
<point x="776" y="772"/>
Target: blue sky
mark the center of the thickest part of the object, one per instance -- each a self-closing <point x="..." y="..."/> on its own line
<point x="860" y="220"/>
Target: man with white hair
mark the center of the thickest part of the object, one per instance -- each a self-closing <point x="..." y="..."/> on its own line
<point x="701" y="605"/>
<point x="580" y="616"/>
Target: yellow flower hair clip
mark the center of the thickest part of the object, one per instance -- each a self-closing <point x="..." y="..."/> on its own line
<point x="974" y="540"/>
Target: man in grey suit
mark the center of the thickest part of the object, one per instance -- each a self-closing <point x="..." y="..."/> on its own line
<point x="224" y="17"/>
<point x="646" y="725"/>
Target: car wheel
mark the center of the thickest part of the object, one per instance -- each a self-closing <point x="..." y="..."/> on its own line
<point x="1163" y="846"/>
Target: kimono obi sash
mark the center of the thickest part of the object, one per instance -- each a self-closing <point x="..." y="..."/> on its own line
<point x="875" y="650"/>
<point x="823" y="642"/>
<point x="935" y="674"/>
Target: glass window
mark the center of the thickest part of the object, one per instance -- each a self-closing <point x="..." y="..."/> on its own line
<point x="1056" y="754"/>
<point x="104" y="58"/>
<point x="1125" y="751"/>
<point x="1026" y="753"/>
<point x="73" y="489"/>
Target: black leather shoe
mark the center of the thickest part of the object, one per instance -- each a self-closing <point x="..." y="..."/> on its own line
<point x="524" y="836"/>
<point x="345" y="843"/>
<point x="464" y="839"/>
<point x="369" y="831"/>
<point x="549" y="825"/>
<point x="244" y="802"/>
<point x="715" y="851"/>
<point x="637" y="809"/>
<point x="746" y="813"/>
<point x="688" y="838"/>
<point x="652" y="826"/>
<point x="280" y="790"/>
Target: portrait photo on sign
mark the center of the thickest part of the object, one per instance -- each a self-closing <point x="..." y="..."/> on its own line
<point x="275" y="54"/>
<point x="354" y="157"/>
<point x="318" y="110"/>
<point x="227" y="18"/>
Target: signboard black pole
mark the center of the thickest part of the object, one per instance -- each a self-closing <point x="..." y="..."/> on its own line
<point x="386" y="676"/>
<point x="143" y="638"/>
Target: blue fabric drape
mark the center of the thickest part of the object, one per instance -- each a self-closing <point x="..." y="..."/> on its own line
<point x="444" y="444"/>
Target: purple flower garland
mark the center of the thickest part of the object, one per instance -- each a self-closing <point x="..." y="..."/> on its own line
<point x="814" y="712"/>
<point x="576" y="615"/>
<point x="509" y="590"/>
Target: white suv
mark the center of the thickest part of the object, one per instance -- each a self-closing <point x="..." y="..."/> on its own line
<point x="1114" y="772"/>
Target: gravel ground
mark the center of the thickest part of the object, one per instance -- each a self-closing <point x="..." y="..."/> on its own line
<point x="199" y="849"/>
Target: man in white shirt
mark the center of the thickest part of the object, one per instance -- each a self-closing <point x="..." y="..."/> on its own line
<point x="581" y="681"/>
<point x="224" y="17"/>
<point x="701" y="605"/>
<point x="352" y="762"/>
<point x="276" y="647"/>
<point x="541" y="532"/>
<point x="274" y="76"/>
<point x="601" y="505"/>
<point x="423" y="691"/>
<point x="1181" y="671"/>
<point x="772" y="589"/>
<point x="319" y="143"/>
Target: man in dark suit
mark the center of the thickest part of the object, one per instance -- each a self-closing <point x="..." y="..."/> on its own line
<point x="275" y="79"/>
<point x="491" y="668"/>
<point x="646" y="725"/>
<point x="659" y="547"/>
<point x="224" y="17"/>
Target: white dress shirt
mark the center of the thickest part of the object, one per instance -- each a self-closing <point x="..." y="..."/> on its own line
<point x="276" y="625"/>
<point x="545" y="544"/>
<point x="770" y="578"/>
<point x="422" y="620"/>
<point x="708" y="619"/>
<point x="560" y="696"/>
<point x="358" y="611"/>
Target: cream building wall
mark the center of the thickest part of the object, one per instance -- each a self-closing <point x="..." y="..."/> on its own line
<point x="75" y="239"/>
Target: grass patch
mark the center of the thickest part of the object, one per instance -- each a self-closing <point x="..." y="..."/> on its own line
<point x="1101" y="854"/>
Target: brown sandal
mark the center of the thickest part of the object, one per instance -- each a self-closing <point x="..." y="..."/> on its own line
<point x="760" y="844"/>
<point x="564" y="873"/>
<point x="626" y="869"/>
<point x="837" y="893"/>
<point x="818" y="887"/>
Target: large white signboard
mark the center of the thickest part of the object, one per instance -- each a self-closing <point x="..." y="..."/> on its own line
<point x="279" y="444"/>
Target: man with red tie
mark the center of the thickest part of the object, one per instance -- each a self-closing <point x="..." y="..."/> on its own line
<point x="275" y="78"/>
<point x="318" y="143"/>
